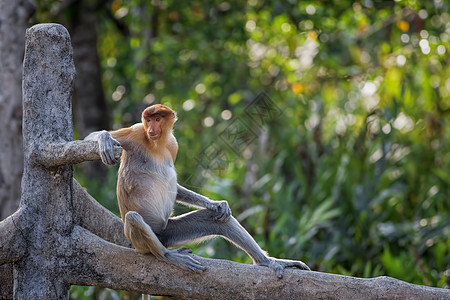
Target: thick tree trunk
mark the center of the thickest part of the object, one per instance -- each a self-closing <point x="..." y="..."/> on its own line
<point x="13" y="21"/>
<point x="6" y="278"/>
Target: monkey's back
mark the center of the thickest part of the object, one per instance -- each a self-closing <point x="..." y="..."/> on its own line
<point x="146" y="186"/>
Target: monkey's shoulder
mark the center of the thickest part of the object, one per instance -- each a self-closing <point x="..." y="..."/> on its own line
<point x="139" y="172"/>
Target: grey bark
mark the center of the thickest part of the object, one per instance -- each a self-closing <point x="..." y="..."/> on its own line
<point x="61" y="236"/>
<point x="90" y="109"/>
<point x="13" y="21"/>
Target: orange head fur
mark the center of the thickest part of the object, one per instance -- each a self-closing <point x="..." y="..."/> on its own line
<point x="158" y="121"/>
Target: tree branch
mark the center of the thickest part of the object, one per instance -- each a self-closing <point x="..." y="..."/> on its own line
<point x="12" y="248"/>
<point x="103" y="264"/>
<point x="94" y="217"/>
<point x="12" y="242"/>
<point x="71" y="153"/>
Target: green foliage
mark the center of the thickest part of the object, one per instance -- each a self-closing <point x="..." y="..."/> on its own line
<point x="351" y="174"/>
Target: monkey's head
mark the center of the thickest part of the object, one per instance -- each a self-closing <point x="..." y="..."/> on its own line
<point x="158" y="121"/>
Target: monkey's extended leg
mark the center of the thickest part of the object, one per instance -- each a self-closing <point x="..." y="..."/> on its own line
<point x="200" y="224"/>
<point x="145" y="241"/>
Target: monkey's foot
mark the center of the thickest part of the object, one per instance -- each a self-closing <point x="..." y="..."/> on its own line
<point x="184" y="261"/>
<point x="278" y="265"/>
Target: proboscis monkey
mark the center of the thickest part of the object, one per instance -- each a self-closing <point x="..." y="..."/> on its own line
<point x="147" y="189"/>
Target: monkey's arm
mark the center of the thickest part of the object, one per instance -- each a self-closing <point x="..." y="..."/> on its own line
<point x="191" y="198"/>
<point x="106" y="145"/>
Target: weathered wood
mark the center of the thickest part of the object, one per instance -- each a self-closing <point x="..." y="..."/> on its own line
<point x="94" y="217"/>
<point x="12" y="244"/>
<point x="71" y="153"/>
<point x="6" y="279"/>
<point x="49" y="74"/>
<point x="128" y="270"/>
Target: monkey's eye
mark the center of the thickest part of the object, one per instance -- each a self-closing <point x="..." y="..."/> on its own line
<point x="157" y="119"/>
<point x="148" y="120"/>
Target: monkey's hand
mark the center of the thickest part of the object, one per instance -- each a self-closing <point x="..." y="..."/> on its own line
<point x="106" y="145"/>
<point x="278" y="265"/>
<point x="221" y="208"/>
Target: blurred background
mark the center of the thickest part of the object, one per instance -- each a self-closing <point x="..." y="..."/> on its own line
<point x="325" y="124"/>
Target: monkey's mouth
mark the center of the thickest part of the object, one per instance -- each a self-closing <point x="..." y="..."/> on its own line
<point x="154" y="136"/>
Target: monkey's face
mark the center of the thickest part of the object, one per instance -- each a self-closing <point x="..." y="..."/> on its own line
<point x="158" y="120"/>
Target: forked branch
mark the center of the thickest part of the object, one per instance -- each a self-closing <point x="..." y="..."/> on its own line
<point x="71" y="153"/>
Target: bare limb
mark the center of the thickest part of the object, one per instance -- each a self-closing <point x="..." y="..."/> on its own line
<point x="12" y="241"/>
<point x="94" y="217"/>
<point x="117" y="267"/>
<point x="71" y="153"/>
